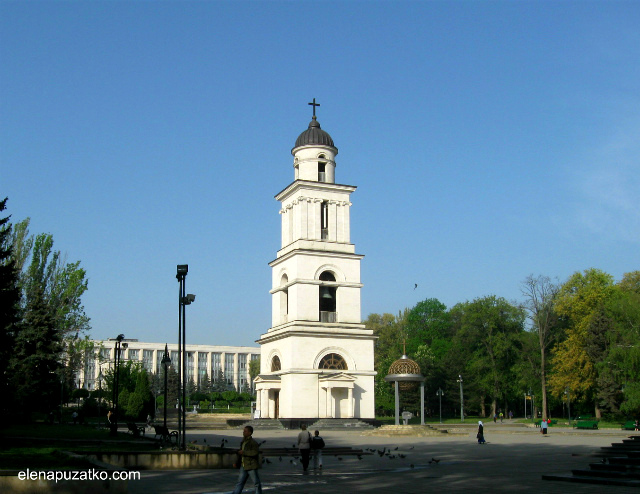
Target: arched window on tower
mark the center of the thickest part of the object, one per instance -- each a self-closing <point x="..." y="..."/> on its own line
<point x="275" y="364"/>
<point x="322" y="177"/>
<point x="327" y="298"/>
<point x="333" y="361"/>
<point x="284" y="299"/>
<point x="324" y="220"/>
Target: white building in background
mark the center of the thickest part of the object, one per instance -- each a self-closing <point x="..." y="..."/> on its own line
<point x="230" y="362"/>
<point x="317" y="358"/>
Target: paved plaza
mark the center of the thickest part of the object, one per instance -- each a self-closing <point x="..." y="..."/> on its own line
<point x="513" y="460"/>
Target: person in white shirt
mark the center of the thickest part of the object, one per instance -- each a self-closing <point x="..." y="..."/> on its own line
<point x="304" y="446"/>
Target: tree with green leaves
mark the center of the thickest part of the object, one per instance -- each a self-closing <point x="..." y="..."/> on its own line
<point x="622" y="364"/>
<point x="487" y="338"/>
<point x="230" y="396"/>
<point x="62" y="284"/>
<point x="49" y="284"/>
<point x="387" y="348"/>
<point x="580" y="299"/>
<point x="254" y="370"/>
<point x="428" y="323"/>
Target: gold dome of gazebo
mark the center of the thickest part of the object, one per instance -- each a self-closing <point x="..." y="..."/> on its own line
<point x="406" y="372"/>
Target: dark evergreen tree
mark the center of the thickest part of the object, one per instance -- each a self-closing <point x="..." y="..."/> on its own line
<point x="9" y="306"/>
<point x="35" y="365"/>
<point x="191" y="387"/>
<point x="205" y="385"/>
<point x="172" y="387"/>
<point x="220" y="383"/>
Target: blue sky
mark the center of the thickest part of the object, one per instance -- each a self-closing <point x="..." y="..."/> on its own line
<point x="488" y="141"/>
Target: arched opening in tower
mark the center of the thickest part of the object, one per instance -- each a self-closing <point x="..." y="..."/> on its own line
<point x="322" y="177"/>
<point x="327" y="298"/>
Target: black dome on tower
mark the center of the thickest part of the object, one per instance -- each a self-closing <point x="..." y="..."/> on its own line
<point x="314" y="136"/>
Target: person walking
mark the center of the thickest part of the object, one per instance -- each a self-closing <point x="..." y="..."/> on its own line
<point x="543" y="426"/>
<point x="480" y="434"/>
<point x="304" y="446"/>
<point x="248" y="461"/>
<point x="317" y="443"/>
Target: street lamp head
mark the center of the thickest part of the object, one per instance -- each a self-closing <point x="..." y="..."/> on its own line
<point x="120" y="337"/>
<point x="166" y="360"/>
<point x="182" y="271"/>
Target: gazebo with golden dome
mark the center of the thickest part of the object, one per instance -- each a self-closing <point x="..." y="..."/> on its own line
<point x="405" y="374"/>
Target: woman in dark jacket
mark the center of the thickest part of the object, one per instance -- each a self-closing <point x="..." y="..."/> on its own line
<point x="480" y="434"/>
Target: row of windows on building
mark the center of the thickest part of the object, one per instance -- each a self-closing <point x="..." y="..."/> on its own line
<point x="198" y="365"/>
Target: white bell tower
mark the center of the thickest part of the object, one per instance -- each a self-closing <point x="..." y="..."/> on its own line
<point x="317" y="358"/>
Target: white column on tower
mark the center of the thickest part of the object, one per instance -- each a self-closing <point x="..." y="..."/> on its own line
<point x="303" y="207"/>
<point x="317" y="226"/>
<point x="285" y="226"/>
<point x="333" y="224"/>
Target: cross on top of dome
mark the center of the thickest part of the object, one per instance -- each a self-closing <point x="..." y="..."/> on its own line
<point x="314" y="104"/>
<point x="314" y="135"/>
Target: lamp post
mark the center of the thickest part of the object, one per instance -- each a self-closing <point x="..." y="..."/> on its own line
<point x="166" y="362"/>
<point x="567" y="391"/>
<point x="461" y="399"/>
<point x="529" y="396"/>
<point x="440" y="394"/>
<point x="79" y="388"/>
<point x="100" y="395"/>
<point x="61" y="394"/>
<point x="184" y="299"/>
<point x="116" y="382"/>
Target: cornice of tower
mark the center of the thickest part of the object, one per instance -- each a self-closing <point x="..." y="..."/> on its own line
<point x="319" y="186"/>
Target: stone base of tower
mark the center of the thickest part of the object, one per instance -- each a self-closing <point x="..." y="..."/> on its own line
<point x="316" y="396"/>
<point x="303" y="387"/>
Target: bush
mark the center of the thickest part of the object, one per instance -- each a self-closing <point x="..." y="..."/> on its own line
<point x="79" y="393"/>
<point x="230" y="396"/>
<point x="135" y="406"/>
<point x="197" y="397"/>
<point x="90" y="407"/>
<point x="123" y="402"/>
